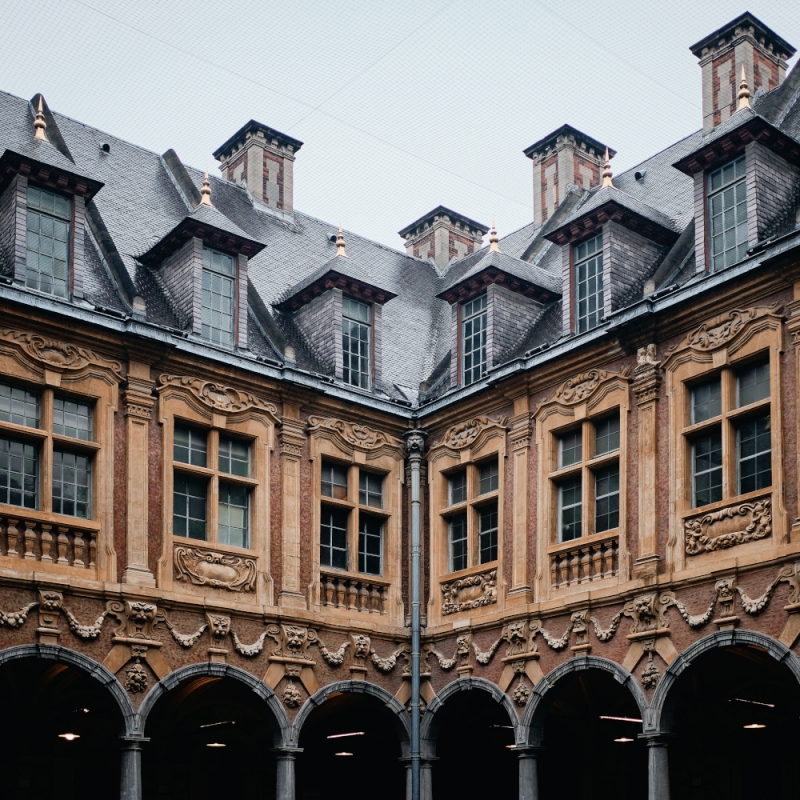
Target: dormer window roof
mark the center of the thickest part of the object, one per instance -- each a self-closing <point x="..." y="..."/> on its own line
<point x="49" y="169"/>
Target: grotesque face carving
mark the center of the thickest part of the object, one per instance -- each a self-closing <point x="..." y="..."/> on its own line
<point x="642" y="606"/>
<point x="516" y="632"/>
<point x="51" y="601"/>
<point x="140" y="612"/>
<point x="295" y="637"/>
<point x="361" y="646"/>
<point x="462" y="644"/>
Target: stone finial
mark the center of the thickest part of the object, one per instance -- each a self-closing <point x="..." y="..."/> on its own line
<point x="744" y="93"/>
<point x="39" y="125"/>
<point x="494" y="240"/>
<point x="340" y="244"/>
<point x="607" y="174"/>
<point x="205" y="192"/>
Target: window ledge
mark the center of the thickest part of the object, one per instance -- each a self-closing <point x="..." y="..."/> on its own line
<point x="464" y="573"/>
<point x="581" y="541"/>
<point x="736" y="499"/>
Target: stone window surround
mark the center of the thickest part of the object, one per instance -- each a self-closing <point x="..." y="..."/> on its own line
<point x="327" y="444"/>
<point x="93" y="384"/>
<point x="444" y="458"/>
<point x="687" y="365"/>
<point x="553" y="418"/>
<point x="179" y="406"/>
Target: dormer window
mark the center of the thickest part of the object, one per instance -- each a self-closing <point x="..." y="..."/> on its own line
<point x="589" y="283"/>
<point x="356" y="342"/>
<point x="219" y="284"/>
<point x="473" y="338"/>
<point x="47" y="247"/>
<point x="727" y="214"/>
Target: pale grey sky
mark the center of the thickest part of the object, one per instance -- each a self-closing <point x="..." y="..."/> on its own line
<point x="401" y="106"/>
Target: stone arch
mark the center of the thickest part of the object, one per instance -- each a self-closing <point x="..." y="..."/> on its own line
<point x="530" y="728"/>
<point x="281" y="727"/>
<point x="431" y="720"/>
<point x="95" y="670"/>
<point x="659" y="717"/>
<point x="402" y="722"/>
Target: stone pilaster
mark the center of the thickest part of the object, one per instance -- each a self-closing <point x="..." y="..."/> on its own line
<point x="292" y="442"/>
<point x="138" y="403"/>
<point x="657" y="766"/>
<point x="528" y="772"/>
<point x="521" y="433"/>
<point x="646" y="383"/>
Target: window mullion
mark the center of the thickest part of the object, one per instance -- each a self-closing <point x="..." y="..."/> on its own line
<point x="46" y="454"/>
<point x="730" y="467"/>
<point x="212" y="502"/>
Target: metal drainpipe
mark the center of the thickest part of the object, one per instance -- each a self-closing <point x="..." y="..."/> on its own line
<point x="415" y="444"/>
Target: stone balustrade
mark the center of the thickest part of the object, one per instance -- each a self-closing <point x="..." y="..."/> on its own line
<point x="354" y="593"/>
<point x="29" y="539"/>
<point x="585" y="562"/>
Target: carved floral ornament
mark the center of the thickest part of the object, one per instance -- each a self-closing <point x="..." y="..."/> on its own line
<point x="219" y="570"/>
<point x="473" y="591"/>
<point x="352" y="435"/>
<point x="58" y="356"/>
<point x="466" y="433"/>
<point x="728" y="527"/>
<point x="582" y="387"/>
<point x="217" y="397"/>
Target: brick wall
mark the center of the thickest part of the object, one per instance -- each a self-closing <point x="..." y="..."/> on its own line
<point x="317" y="320"/>
<point x="700" y="221"/>
<point x="566" y="283"/>
<point x="771" y="181"/>
<point x="241" y="278"/>
<point x="78" y="237"/>
<point x="377" y="343"/>
<point x="455" y="348"/>
<point x="273" y="180"/>
<point x="510" y="317"/>
<point x="627" y="261"/>
<point x="181" y="274"/>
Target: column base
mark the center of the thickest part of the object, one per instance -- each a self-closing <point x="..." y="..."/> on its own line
<point x="292" y="600"/>
<point x="138" y="576"/>
<point x="646" y="567"/>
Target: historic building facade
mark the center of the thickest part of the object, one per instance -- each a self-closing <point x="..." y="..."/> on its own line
<point x="211" y="404"/>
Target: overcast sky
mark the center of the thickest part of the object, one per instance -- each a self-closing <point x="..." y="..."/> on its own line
<point x="401" y="106"/>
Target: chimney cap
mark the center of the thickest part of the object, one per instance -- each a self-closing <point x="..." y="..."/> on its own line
<point x="444" y="211"/>
<point x="779" y="46"/>
<point x="254" y="127"/>
<point x="567" y="130"/>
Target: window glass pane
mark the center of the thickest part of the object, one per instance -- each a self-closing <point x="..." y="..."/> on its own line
<point x="71" y="418"/>
<point x="707" y="468"/>
<point x="473" y="339"/>
<point x="334" y="481"/>
<point x="234" y="456"/>
<point x="370" y="489"/>
<point x="333" y="538"/>
<point x="72" y="484"/>
<point x="19" y="406"/>
<point x="356" y="354"/>
<point x="570" y="448"/>
<point x="487" y="477"/>
<point x="19" y="474"/>
<point x="457" y="492"/>
<point x="706" y="400"/>
<point x="189" y="507"/>
<point x="189" y="446"/>
<point x="606" y="435"/>
<point x="570" y="508"/>
<point x="727" y="212"/>
<point x="458" y="542"/>
<point x="754" y="443"/>
<point x="234" y="515"/>
<point x="606" y="498"/>
<point x="370" y="545"/>
<point x="752" y="383"/>
<point x="589" y="283"/>
<point x="487" y="533"/>
<point x="218" y="297"/>
<point x="219" y="262"/>
<point x="47" y="242"/>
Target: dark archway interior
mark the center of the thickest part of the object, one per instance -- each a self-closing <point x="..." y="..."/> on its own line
<point x="373" y="766"/>
<point x="713" y="753"/>
<point x="585" y="754"/>
<point x="472" y="748"/>
<point x="40" y="701"/>
<point x="209" y="738"/>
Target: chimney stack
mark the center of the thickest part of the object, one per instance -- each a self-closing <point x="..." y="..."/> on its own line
<point x="744" y="42"/>
<point x="442" y="235"/>
<point x="564" y="157"/>
<point x="263" y="159"/>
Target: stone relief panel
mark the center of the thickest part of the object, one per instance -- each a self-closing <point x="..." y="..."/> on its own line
<point x="352" y="434"/>
<point x="465" y="433"/>
<point x="728" y="527"/>
<point x="473" y="591"/>
<point x="218" y="397"/>
<point x="203" y="567"/>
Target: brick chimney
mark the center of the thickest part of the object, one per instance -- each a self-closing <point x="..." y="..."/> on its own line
<point x="564" y="157"/>
<point x="442" y="235"/>
<point x="262" y="158"/>
<point x="744" y="41"/>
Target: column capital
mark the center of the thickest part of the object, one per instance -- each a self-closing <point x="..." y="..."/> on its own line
<point x="656" y="738"/>
<point x="646" y="381"/>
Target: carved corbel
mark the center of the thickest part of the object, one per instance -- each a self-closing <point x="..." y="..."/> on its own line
<point x="361" y="646"/>
<point x="50" y="604"/>
<point x="791" y="631"/>
<point x="136" y="620"/>
<point x="521" y="656"/>
<point x="219" y="627"/>
<point x="291" y="652"/>
<point x="650" y="629"/>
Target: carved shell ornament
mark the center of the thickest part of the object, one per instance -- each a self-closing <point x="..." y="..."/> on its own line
<point x="219" y="397"/>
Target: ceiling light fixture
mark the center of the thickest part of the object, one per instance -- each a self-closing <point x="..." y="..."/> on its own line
<point x="70" y="737"/>
<point x="214" y="724"/>
<point x="511" y="747"/>
<point x="344" y="754"/>
<point x="623" y="739"/>
<point x="622" y="719"/>
<point x="343" y="735"/>
<point x="754" y="726"/>
<point x="752" y="702"/>
<point x="216" y="744"/>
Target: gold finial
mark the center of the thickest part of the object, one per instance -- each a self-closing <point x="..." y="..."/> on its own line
<point x="340" y="244"/>
<point x="607" y="174"/>
<point x="39" y="126"/>
<point x="205" y="192"/>
<point x="494" y="247"/>
<point x="744" y="93"/>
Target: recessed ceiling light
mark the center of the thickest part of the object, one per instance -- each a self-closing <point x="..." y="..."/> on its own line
<point x="214" y="724"/>
<point x="622" y="719"/>
<point x="216" y="744"/>
<point x="343" y="735"/>
<point x="511" y="747"/>
<point x="754" y="726"/>
<point x="344" y="754"/>
<point x="623" y="739"/>
<point x="752" y="702"/>
<point x="70" y="737"/>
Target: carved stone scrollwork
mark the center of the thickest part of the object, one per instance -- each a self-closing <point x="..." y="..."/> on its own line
<point x="291" y="641"/>
<point x="720" y="330"/>
<point x="728" y="527"/>
<point x="59" y="356"/>
<point x="218" y="397"/>
<point x="648" y="611"/>
<point x="465" y="433"/>
<point x="218" y="570"/>
<point x="791" y="575"/>
<point x="136" y="619"/>
<point x="581" y="387"/>
<point x="355" y="435"/>
<point x="473" y="591"/>
<point x="520" y="642"/>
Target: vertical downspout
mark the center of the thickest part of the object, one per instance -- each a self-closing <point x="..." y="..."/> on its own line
<point x="415" y="444"/>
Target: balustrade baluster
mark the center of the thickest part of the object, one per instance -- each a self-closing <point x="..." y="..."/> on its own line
<point x="13" y="534"/>
<point x="586" y="564"/>
<point x="554" y="570"/>
<point x="340" y="590"/>
<point x="352" y="594"/>
<point x="384" y="596"/>
<point x="92" y="549"/>
<point x="363" y="598"/>
<point x="63" y="541"/>
<point x="575" y="565"/>
<point x="79" y="546"/>
<point x="47" y="543"/>
<point x="29" y="540"/>
<point x="597" y="570"/>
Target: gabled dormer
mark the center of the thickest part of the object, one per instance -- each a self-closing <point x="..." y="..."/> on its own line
<point x="43" y="198"/>
<point x="339" y="311"/>
<point x="202" y="262"/>
<point x="493" y="305"/>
